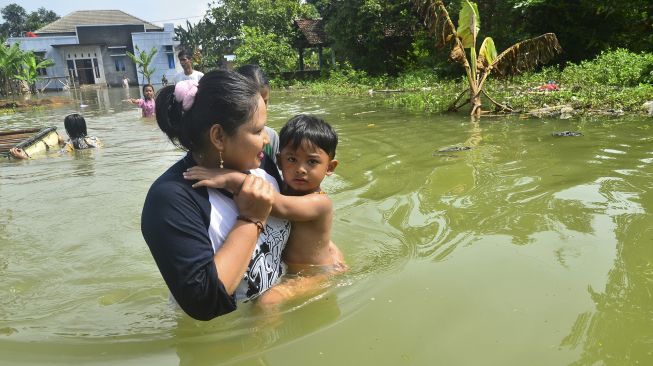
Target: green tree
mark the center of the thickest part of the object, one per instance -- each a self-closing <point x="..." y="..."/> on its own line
<point x="587" y="27"/>
<point x="143" y="61"/>
<point x="266" y="50"/>
<point x="29" y="70"/>
<point x="226" y="21"/>
<point x="519" y="57"/>
<point x="39" y="18"/>
<point x="17" y="21"/>
<point x="15" y="17"/>
<point x="374" y="35"/>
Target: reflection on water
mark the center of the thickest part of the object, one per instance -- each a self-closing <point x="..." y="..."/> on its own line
<point x="527" y="248"/>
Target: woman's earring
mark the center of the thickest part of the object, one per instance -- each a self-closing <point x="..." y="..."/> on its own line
<point x="221" y="161"/>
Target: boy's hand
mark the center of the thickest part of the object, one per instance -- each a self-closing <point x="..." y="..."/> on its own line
<point x="229" y="179"/>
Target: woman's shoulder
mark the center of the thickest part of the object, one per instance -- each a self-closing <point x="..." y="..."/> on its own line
<point x="267" y="176"/>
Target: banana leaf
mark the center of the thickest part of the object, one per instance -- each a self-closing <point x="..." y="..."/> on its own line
<point x="526" y="55"/>
<point x="486" y="54"/>
<point x="469" y="24"/>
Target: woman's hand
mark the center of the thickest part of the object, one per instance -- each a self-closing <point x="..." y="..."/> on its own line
<point x="254" y="199"/>
<point x="228" y="179"/>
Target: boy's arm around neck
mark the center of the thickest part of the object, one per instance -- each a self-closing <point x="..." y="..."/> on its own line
<point x="301" y="208"/>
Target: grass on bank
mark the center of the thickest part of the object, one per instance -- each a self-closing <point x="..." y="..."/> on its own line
<point x="615" y="80"/>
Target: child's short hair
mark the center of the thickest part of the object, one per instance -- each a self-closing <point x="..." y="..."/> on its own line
<point x="148" y="86"/>
<point x="305" y="127"/>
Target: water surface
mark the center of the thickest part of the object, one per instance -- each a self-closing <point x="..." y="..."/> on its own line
<point x="526" y="249"/>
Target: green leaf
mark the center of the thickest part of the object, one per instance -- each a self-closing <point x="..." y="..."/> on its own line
<point x="469" y="23"/>
<point x="487" y="51"/>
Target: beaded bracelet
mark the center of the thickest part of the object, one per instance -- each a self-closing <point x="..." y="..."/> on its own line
<point x="259" y="225"/>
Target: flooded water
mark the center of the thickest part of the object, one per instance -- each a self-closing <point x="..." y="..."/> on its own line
<point x="527" y="249"/>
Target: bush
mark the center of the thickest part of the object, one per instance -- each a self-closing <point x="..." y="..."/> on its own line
<point x="616" y="68"/>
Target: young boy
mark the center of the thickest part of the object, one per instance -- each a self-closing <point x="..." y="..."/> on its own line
<point x="308" y="148"/>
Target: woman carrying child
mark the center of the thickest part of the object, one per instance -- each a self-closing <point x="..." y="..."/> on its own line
<point x="146" y="104"/>
<point x="214" y="248"/>
<point x="307" y="156"/>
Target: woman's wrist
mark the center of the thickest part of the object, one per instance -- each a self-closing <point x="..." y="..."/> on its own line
<point x="260" y="225"/>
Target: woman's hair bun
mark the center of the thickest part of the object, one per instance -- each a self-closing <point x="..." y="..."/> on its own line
<point x="169" y="115"/>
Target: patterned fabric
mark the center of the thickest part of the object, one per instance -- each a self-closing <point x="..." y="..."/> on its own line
<point x="80" y="143"/>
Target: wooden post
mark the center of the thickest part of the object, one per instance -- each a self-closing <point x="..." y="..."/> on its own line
<point x="301" y="59"/>
<point x="319" y="56"/>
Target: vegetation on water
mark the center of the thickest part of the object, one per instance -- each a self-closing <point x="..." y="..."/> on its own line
<point x="614" y="80"/>
<point x="518" y="58"/>
<point x="384" y="45"/>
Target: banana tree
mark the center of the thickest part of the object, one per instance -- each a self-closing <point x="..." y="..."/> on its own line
<point x="29" y="70"/>
<point x="11" y="59"/>
<point x="143" y="62"/>
<point x="520" y="57"/>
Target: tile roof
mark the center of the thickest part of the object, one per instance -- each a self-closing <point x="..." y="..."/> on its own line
<point x="313" y="31"/>
<point x="68" y="22"/>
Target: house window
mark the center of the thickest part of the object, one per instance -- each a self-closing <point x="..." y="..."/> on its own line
<point x="171" y="61"/>
<point x="120" y="63"/>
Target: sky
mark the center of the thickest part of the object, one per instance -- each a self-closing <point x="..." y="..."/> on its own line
<point x="153" y="11"/>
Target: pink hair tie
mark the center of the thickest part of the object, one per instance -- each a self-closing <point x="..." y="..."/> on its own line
<point x="185" y="93"/>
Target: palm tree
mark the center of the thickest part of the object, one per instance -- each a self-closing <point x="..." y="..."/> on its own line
<point x="522" y="56"/>
<point x="29" y="70"/>
<point x="143" y="62"/>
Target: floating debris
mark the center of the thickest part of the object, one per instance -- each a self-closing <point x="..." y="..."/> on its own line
<point x="566" y="134"/>
<point x="454" y="149"/>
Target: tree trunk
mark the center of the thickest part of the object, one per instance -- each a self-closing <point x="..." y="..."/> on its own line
<point x="475" y="100"/>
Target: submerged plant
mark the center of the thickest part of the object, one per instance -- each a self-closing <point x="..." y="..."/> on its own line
<point x="522" y="56"/>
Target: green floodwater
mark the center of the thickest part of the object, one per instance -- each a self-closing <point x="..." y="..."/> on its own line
<point x="525" y="250"/>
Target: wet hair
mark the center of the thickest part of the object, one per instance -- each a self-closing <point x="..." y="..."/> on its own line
<point x="309" y="128"/>
<point x="223" y="97"/>
<point x="255" y="73"/>
<point x="75" y="126"/>
<point x="185" y="53"/>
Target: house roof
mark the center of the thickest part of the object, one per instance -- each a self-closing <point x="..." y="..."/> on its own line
<point x="67" y="23"/>
<point x="312" y="31"/>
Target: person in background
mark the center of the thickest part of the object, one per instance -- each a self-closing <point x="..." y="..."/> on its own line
<point x="164" y="80"/>
<point x="78" y="138"/>
<point x="255" y="73"/>
<point x="146" y="104"/>
<point x="125" y="81"/>
<point x="186" y="61"/>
